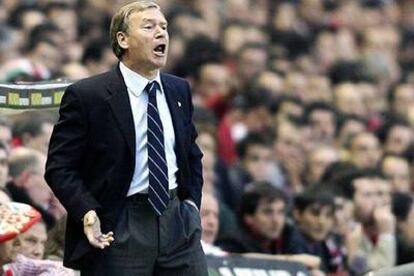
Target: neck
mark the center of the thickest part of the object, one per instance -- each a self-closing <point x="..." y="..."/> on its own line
<point x="148" y="73"/>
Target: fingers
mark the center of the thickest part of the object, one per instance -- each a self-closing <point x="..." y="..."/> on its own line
<point x="101" y="240"/>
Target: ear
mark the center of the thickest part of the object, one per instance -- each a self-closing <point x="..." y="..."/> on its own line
<point x="122" y="40"/>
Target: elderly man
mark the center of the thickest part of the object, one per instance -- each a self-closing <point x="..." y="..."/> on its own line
<point x="123" y="160"/>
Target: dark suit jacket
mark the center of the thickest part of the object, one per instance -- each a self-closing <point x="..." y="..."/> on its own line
<point x="91" y="156"/>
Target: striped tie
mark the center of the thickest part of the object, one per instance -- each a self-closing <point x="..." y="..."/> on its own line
<point x="158" y="195"/>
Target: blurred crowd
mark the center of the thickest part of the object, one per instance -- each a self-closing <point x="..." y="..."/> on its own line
<point x="304" y="109"/>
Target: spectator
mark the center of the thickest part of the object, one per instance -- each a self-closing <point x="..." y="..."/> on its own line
<point x="365" y="150"/>
<point x="255" y="164"/>
<point x="313" y="212"/>
<point x="377" y="240"/>
<point x="263" y="224"/>
<point x="397" y="170"/>
<point x="32" y="242"/>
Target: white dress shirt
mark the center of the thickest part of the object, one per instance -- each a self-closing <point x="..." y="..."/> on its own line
<point x="135" y="84"/>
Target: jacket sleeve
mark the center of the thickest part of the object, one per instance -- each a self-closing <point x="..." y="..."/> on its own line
<point x="65" y="157"/>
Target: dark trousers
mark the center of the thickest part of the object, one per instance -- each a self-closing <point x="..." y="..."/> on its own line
<point x="147" y="244"/>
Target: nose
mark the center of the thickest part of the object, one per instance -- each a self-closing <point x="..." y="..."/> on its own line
<point x="160" y="32"/>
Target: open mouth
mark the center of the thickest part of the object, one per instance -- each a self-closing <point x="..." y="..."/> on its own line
<point x="160" y="49"/>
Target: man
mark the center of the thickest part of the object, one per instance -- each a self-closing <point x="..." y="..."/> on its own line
<point x="255" y="154"/>
<point x="262" y="220"/>
<point x="123" y="159"/>
<point x="313" y="212"/>
<point x="365" y="150"/>
<point x="26" y="185"/>
<point x="377" y="241"/>
<point x="397" y="170"/>
<point x="209" y="214"/>
<point x="32" y="242"/>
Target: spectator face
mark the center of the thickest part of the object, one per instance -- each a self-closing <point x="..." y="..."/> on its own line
<point x="348" y="130"/>
<point x="319" y="160"/>
<point x="146" y="31"/>
<point x="384" y="188"/>
<point x="398" y="139"/>
<point x="288" y="146"/>
<point x="322" y="126"/>
<point x="4" y="168"/>
<point x="365" y="150"/>
<point x="397" y="170"/>
<point x="209" y="214"/>
<point x="315" y="221"/>
<point x="348" y="100"/>
<point x="366" y="198"/>
<point x="268" y="219"/>
<point x="41" y="141"/>
<point x="318" y="89"/>
<point x="272" y="82"/>
<point x="252" y="61"/>
<point x="296" y="84"/>
<point x="404" y="99"/>
<point x="48" y="55"/>
<point x="214" y="80"/>
<point x="258" y="161"/>
<point x="343" y="215"/>
<point x="234" y="38"/>
<point x="32" y="242"/>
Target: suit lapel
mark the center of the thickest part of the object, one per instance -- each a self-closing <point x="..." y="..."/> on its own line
<point x="173" y="99"/>
<point x="121" y="107"/>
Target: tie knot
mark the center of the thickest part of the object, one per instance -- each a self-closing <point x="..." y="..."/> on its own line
<point x="152" y="87"/>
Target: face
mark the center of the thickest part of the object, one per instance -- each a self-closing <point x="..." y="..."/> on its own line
<point x="268" y="219"/>
<point x="367" y="197"/>
<point x="365" y="150"/>
<point x="404" y="98"/>
<point x="397" y="170"/>
<point x="209" y="214"/>
<point x="322" y="125"/>
<point x="146" y="40"/>
<point x="288" y="146"/>
<point x="4" y="168"/>
<point x="315" y="221"/>
<point x="252" y="61"/>
<point x="349" y="101"/>
<point x="398" y="140"/>
<point x="41" y="141"/>
<point x="258" y="161"/>
<point x="348" y="130"/>
<point x="214" y="80"/>
<point x="319" y="160"/>
<point x="343" y="215"/>
<point x="32" y="242"/>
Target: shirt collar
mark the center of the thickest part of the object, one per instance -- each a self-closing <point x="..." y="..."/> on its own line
<point x="135" y="82"/>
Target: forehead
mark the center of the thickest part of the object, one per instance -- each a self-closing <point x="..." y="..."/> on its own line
<point x="147" y="15"/>
<point x="365" y="184"/>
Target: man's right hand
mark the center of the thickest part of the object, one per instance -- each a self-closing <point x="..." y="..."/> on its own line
<point x="384" y="219"/>
<point x="92" y="230"/>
